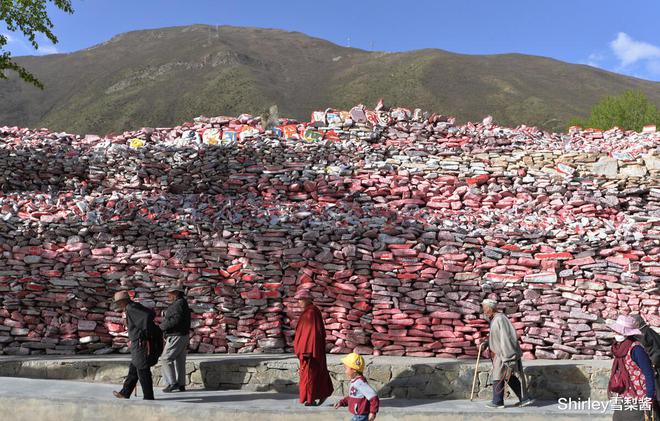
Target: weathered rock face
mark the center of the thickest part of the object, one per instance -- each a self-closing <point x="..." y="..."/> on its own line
<point x="400" y="223"/>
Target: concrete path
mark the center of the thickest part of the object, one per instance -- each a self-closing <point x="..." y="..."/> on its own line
<point x="57" y="400"/>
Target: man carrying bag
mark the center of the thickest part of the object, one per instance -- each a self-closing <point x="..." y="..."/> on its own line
<point x="146" y="346"/>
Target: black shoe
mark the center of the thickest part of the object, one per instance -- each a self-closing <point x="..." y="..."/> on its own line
<point x="170" y="388"/>
<point x="182" y="388"/>
<point x="494" y="405"/>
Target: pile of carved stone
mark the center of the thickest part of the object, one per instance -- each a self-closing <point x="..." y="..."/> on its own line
<point x="399" y="222"/>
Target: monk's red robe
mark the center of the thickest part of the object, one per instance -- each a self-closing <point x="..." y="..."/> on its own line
<point x="309" y="346"/>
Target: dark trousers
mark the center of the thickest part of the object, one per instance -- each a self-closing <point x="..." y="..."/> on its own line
<point x="144" y="375"/>
<point x="499" y="386"/>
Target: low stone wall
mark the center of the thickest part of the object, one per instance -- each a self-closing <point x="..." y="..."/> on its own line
<point x="405" y="378"/>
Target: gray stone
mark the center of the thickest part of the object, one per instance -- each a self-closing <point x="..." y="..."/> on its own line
<point x="633" y="171"/>
<point x="32" y="259"/>
<point x="607" y="167"/>
<point x="652" y="162"/>
<point x="379" y="373"/>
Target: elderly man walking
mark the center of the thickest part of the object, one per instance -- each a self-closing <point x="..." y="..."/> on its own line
<point x="176" y="327"/>
<point x="507" y="357"/>
<point x="140" y="324"/>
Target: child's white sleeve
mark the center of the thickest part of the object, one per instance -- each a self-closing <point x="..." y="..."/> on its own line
<point x="365" y="389"/>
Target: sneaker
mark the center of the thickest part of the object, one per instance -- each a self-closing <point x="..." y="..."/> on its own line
<point x="494" y="405"/>
<point x="170" y="388"/>
<point x="526" y="402"/>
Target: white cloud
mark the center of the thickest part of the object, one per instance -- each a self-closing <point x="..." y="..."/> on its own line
<point x="47" y="49"/>
<point x="595" y="59"/>
<point x="16" y="44"/>
<point x="630" y="51"/>
<point x="19" y="46"/>
<point x="596" y="56"/>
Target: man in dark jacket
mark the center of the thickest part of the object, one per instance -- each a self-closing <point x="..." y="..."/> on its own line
<point x="650" y="340"/>
<point x="139" y="321"/>
<point x="176" y="327"/>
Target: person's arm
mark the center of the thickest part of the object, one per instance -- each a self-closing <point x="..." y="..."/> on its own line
<point x="640" y="358"/>
<point x="493" y="337"/>
<point x="653" y="339"/>
<point x="374" y="405"/>
<point x="342" y="402"/>
<point x="305" y="336"/>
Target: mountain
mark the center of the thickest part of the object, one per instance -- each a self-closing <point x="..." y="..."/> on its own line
<point x="163" y="77"/>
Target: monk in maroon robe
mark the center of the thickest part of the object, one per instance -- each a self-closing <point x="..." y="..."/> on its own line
<point x="309" y="346"/>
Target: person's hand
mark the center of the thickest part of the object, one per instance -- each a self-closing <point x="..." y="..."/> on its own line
<point x="337" y="404"/>
<point x="372" y="417"/>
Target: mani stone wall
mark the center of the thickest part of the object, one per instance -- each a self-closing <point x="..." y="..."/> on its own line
<point x="399" y="229"/>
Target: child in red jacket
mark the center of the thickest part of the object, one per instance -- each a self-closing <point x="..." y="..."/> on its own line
<point x="362" y="400"/>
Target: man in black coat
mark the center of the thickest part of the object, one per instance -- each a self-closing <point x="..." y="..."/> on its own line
<point x="176" y="328"/>
<point x="139" y="320"/>
<point x="650" y="340"/>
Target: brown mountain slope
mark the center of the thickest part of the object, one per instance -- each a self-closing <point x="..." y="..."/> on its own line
<point x="166" y="76"/>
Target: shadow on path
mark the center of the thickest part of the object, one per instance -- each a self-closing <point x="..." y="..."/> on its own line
<point x="210" y="396"/>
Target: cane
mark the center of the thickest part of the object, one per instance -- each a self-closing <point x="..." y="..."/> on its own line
<point x="476" y="371"/>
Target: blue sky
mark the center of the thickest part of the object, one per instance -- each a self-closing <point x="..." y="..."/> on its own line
<point x="610" y="34"/>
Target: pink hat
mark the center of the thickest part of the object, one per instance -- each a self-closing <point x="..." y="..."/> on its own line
<point x="303" y="294"/>
<point x="624" y="325"/>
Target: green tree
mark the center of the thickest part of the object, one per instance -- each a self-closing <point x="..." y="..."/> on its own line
<point x="631" y="110"/>
<point x="31" y="18"/>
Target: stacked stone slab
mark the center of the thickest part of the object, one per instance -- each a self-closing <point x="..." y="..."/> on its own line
<point x="399" y="226"/>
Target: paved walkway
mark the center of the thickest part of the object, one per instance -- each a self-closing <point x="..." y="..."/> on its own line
<point x="54" y="400"/>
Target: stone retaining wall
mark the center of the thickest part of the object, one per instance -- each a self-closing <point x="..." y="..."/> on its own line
<point x="408" y="378"/>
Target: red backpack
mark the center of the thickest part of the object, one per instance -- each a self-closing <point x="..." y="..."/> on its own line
<point x="619" y="379"/>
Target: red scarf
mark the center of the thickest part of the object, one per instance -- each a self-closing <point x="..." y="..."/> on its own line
<point x="619" y="379"/>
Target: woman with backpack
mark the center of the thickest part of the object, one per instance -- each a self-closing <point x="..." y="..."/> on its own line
<point x="631" y="380"/>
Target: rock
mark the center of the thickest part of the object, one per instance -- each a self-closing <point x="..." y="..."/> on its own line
<point x="606" y="167"/>
<point x="633" y="171"/>
<point x="652" y="162"/>
<point x="32" y="259"/>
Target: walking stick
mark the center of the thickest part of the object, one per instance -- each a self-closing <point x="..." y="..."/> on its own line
<point x="476" y="371"/>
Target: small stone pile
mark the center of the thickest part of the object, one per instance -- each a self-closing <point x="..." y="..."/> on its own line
<point x="400" y="222"/>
